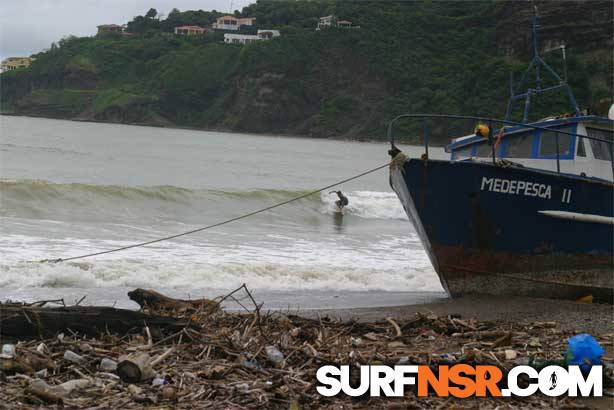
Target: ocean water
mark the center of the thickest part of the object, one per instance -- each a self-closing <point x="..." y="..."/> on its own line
<point x="71" y="188"/>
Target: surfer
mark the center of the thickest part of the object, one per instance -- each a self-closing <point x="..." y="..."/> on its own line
<point x="343" y="200"/>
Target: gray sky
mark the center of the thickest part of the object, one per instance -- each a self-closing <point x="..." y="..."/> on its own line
<point x="29" y="26"/>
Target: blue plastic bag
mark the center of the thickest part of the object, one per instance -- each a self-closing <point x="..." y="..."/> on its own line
<point x="584" y="351"/>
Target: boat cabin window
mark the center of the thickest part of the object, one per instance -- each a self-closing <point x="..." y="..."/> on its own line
<point x="601" y="149"/>
<point x="483" y="150"/>
<point x="547" y="143"/>
<point x="519" y="146"/>
<point x="581" y="149"/>
<point x="462" y="153"/>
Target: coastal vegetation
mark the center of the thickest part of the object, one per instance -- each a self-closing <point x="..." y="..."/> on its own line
<point x="428" y="56"/>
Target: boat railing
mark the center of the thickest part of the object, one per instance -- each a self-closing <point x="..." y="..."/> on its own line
<point x="490" y="121"/>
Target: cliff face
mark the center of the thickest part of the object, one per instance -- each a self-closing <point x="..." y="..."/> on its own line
<point x="582" y="25"/>
<point x="407" y="57"/>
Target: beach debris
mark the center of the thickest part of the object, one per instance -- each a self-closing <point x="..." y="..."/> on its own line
<point x="504" y="340"/>
<point x="55" y="394"/>
<point x="535" y="342"/>
<point x="18" y="322"/>
<point x="12" y="366"/>
<point x="73" y="357"/>
<point x="159" y="381"/>
<point x="251" y="359"/>
<point x="41" y="389"/>
<point x="75" y="384"/>
<point x="42" y="348"/>
<point x="250" y="364"/>
<point x="135" y="368"/>
<point x="274" y="355"/>
<point x="8" y="351"/>
<point x="584" y="351"/>
<point x="169" y="392"/>
<point x="396" y="327"/>
<point x="543" y="324"/>
<point x="403" y="360"/>
<point x="41" y="374"/>
<point x="586" y="299"/>
<point x="154" y="301"/>
<point x="108" y="365"/>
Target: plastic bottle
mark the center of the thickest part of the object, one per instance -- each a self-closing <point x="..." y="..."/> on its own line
<point x="8" y="351"/>
<point x="274" y="355"/>
<point x="108" y="365"/>
<point x="73" y="357"/>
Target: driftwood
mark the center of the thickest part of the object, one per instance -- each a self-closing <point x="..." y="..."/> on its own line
<point x="21" y="321"/>
<point x="55" y="394"/>
<point x="45" y="392"/>
<point x="154" y="301"/>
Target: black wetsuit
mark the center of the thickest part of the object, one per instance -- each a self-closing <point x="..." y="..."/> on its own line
<point x="343" y="201"/>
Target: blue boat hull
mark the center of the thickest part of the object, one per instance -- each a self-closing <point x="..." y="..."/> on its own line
<point x="485" y="230"/>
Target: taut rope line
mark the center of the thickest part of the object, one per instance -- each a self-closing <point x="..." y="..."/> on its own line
<point x="268" y="208"/>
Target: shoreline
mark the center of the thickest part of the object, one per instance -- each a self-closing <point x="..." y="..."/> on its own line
<point x="571" y="315"/>
<point x="227" y="131"/>
<point x="363" y="306"/>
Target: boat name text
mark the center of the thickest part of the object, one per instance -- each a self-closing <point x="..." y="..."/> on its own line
<point x="513" y="187"/>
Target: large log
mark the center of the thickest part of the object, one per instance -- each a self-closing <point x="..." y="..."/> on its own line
<point x="155" y="301"/>
<point x="21" y="321"/>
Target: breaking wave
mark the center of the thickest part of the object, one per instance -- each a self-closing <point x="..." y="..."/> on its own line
<point x="40" y="199"/>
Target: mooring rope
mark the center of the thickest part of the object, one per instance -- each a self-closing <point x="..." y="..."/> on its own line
<point x="166" y="238"/>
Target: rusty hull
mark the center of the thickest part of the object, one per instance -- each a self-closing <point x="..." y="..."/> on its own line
<point x="483" y="242"/>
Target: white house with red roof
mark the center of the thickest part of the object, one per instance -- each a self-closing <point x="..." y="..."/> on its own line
<point x="190" y="30"/>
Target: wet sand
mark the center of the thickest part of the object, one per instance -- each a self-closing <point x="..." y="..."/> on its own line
<point x="570" y="315"/>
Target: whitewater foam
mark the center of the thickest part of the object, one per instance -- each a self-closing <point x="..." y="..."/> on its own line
<point x="367" y="204"/>
<point x="268" y="264"/>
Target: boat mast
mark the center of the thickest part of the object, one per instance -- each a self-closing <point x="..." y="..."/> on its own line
<point x="537" y="63"/>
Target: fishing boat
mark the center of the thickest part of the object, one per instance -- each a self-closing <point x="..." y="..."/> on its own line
<point x="519" y="208"/>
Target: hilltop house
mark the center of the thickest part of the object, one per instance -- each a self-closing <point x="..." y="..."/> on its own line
<point x="13" y="63"/>
<point x="268" y="34"/>
<point x="250" y="38"/>
<point x="325" y="22"/>
<point x="110" y="28"/>
<point x="232" y="23"/>
<point x="190" y="30"/>
<point x="331" y="21"/>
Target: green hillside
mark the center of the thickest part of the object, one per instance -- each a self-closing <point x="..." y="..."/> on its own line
<point x="429" y="56"/>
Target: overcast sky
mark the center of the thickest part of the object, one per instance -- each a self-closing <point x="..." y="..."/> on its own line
<point x="29" y="26"/>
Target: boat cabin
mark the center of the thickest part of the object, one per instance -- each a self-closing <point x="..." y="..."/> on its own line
<point x="537" y="148"/>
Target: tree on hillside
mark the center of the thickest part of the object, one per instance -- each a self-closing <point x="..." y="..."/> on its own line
<point x="302" y="14"/>
<point x="142" y="24"/>
<point x="188" y="18"/>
